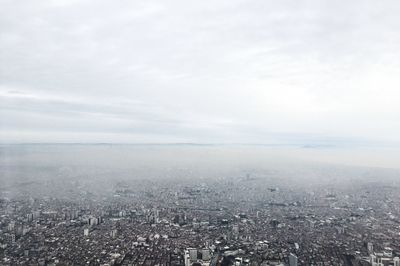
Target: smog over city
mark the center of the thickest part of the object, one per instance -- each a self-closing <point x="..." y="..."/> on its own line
<point x="216" y="133"/>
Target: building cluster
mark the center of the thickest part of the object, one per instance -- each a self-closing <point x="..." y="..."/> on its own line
<point x="232" y="221"/>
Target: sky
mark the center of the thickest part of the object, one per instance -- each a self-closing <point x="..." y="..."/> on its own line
<point x="269" y="72"/>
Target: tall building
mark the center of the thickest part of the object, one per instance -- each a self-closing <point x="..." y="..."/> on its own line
<point x="205" y="254"/>
<point x="92" y="221"/>
<point x="114" y="233"/>
<point x="193" y="254"/>
<point x="372" y="260"/>
<point x="156" y="215"/>
<point x="29" y="217"/>
<point x="376" y="260"/>
<point x="396" y="261"/>
<point x="292" y="260"/>
<point x="235" y="231"/>
<point x="370" y="247"/>
<point x="11" y="226"/>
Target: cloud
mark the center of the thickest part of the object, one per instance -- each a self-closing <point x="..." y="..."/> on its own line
<point x="231" y="71"/>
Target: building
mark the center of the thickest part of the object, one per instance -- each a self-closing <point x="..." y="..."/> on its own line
<point x="376" y="260"/>
<point x="206" y="256"/>
<point x="193" y="256"/>
<point x="370" y="247"/>
<point x="396" y="261"/>
<point x="93" y="221"/>
<point x="292" y="260"/>
<point x="114" y="233"/>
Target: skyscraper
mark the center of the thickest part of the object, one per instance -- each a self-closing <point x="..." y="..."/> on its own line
<point x="396" y="261"/>
<point x="292" y="260"/>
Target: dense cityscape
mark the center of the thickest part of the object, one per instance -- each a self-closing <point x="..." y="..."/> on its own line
<point x="248" y="217"/>
<point x="199" y="133"/>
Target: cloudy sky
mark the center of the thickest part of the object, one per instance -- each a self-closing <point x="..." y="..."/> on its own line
<point x="200" y="71"/>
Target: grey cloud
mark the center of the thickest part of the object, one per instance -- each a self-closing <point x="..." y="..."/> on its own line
<point x="201" y="70"/>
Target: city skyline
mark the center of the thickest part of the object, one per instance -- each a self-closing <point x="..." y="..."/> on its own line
<point x="199" y="133"/>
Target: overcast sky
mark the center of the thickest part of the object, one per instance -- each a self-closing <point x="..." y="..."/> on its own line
<point x="200" y="71"/>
